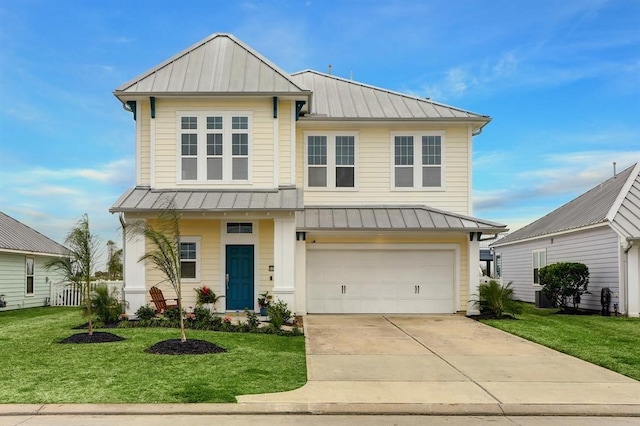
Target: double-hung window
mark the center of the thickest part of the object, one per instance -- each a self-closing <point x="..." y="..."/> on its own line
<point x="29" y="269"/>
<point x="331" y="160"/>
<point x="417" y="160"/>
<point x="539" y="261"/>
<point x="214" y="147"/>
<point x="190" y="258"/>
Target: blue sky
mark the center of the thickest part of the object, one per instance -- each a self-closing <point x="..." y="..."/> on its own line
<point x="561" y="80"/>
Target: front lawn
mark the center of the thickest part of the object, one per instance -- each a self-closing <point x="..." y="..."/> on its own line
<point x="611" y="342"/>
<point x="38" y="369"/>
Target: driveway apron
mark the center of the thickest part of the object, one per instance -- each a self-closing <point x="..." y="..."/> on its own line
<point x="442" y="359"/>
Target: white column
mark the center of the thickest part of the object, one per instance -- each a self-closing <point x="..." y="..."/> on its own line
<point x="284" y="245"/>
<point x="301" y="277"/>
<point x="474" y="275"/>
<point x="633" y="281"/>
<point x="135" y="289"/>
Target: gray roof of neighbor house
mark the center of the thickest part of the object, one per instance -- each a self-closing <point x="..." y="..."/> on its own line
<point x="616" y="201"/>
<point x="15" y="236"/>
<point x="206" y="200"/>
<point x="335" y="98"/>
<point x="219" y="64"/>
<point x="418" y="218"/>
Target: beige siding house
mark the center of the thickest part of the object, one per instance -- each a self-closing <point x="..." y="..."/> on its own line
<point x="333" y="195"/>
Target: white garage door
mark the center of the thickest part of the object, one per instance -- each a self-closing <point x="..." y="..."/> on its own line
<point x="380" y="281"/>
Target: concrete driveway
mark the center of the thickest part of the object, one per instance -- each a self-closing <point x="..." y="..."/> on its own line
<point x="444" y="364"/>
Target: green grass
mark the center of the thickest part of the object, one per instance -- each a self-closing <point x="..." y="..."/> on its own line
<point x="38" y="369"/>
<point x="611" y="342"/>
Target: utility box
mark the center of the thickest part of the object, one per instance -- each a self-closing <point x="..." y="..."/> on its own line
<point x="542" y="301"/>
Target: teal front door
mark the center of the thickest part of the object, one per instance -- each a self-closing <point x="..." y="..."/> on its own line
<point x="239" y="277"/>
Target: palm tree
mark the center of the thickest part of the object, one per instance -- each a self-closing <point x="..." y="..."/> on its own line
<point x="114" y="261"/>
<point x="165" y="252"/>
<point x="78" y="266"/>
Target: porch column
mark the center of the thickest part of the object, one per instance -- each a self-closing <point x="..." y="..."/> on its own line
<point x="474" y="276"/>
<point x="284" y="251"/>
<point x="135" y="289"/>
<point x="633" y="281"/>
<point x="301" y="274"/>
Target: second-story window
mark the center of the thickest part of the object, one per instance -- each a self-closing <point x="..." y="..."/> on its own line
<point x="331" y="160"/>
<point x="214" y="147"/>
<point x="417" y="161"/>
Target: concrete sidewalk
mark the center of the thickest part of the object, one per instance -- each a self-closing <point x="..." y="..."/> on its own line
<point x="427" y="364"/>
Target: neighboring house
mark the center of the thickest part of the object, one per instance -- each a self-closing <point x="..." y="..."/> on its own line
<point x="24" y="282"/>
<point x="334" y="196"/>
<point x="600" y="228"/>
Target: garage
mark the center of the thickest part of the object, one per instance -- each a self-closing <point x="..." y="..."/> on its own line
<point x="370" y="279"/>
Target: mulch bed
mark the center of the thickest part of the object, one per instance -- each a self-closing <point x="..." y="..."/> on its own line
<point x="571" y="311"/>
<point x="190" y="347"/>
<point x="96" y="337"/>
<point x="491" y="317"/>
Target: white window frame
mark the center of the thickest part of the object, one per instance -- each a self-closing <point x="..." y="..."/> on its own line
<point x="417" y="161"/>
<point x="227" y="148"/>
<point x="27" y="275"/>
<point x="535" y="260"/>
<point x="197" y="241"/>
<point x="331" y="161"/>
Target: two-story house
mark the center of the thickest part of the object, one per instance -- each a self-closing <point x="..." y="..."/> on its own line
<point x="333" y="195"/>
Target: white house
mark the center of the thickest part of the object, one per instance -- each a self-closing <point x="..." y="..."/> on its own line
<point x="24" y="281"/>
<point x="333" y="195"/>
<point x="600" y="228"/>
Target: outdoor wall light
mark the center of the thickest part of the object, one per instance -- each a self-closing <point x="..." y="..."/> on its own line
<point x="270" y="268"/>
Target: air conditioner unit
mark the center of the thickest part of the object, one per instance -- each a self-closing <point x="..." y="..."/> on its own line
<point x="542" y="301"/>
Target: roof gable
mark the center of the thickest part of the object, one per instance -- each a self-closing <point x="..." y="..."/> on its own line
<point x="16" y="236"/>
<point x="594" y="207"/>
<point x="335" y="97"/>
<point x="219" y="64"/>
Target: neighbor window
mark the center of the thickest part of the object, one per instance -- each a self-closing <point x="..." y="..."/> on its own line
<point x="498" y="265"/>
<point x="539" y="261"/>
<point x="331" y="160"/>
<point x="214" y="147"/>
<point x="29" y="264"/>
<point x="417" y="160"/>
<point x="189" y="258"/>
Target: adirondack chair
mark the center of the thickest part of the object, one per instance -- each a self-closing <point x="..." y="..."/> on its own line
<point x="158" y="299"/>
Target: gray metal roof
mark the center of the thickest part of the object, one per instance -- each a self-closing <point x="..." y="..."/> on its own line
<point x="627" y="216"/>
<point x="16" y="236"/>
<point x="335" y="97"/>
<point x="219" y="64"/>
<point x="153" y="200"/>
<point x="591" y="208"/>
<point x="389" y="218"/>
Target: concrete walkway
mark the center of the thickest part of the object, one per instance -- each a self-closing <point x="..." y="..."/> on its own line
<point x="444" y="364"/>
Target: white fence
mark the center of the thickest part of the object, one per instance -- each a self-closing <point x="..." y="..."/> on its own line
<point x="69" y="294"/>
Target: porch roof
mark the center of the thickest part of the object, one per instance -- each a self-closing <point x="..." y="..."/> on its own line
<point x="390" y="218"/>
<point x="143" y="199"/>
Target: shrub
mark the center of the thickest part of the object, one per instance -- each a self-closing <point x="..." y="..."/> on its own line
<point x="563" y="281"/>
<point x="145" y="312"/>
<point x="173" y="315"/>
<point x="106" y="306"/>
<point x="496" y="300"/>
<point x="252" y="321"/>
<point x="279" y="314"/>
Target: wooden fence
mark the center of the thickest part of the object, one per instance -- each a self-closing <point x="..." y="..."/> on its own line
<point x="69" y="294"/>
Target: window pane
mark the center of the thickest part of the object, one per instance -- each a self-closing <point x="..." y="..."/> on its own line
<point x="189" y="122"/>
<point x="344" y="177"/>
<point x="240" y="144"/>
<point x="318" y="176"/>
<point x="214" y="144"/>
<point x="543" y="258"/>
<point x="189" y="169"/>
<point x="239" y="228"/>
<point x="317" y="150"/>
<point x="404" y="150"/>
<point x="30" y="285"/>
<point x="240" y="169"/>
<point x="431" y="177"/>
<point x="404" y="177"/>
<point x="431" y="150"/>
<point x="187" y="251"/>
<point x="189" y="144"/>
<point x="535" y="276"/>
<point x="214" y="168"/>
<point x="187" y="269"/>
<point x="345" y="150"/>
<point x="239" y="122"/>
<point x="214" y="122"/>
<point x="29" y="263"/>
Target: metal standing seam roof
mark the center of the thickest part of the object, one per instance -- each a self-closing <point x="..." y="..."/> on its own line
<point x="16" y="236"/>
<point x="591" y="208"/>
<point x="219" y="64"/>
<point x="419" y="218"/>
<point x="154" y="200"/>
<point x="335" y="97"/>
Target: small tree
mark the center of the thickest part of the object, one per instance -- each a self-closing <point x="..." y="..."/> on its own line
<point x="77" y="267"/>
<point x="495" y="299"/>
<point x="165" y="251"/>
<point x="563" y="281"/>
